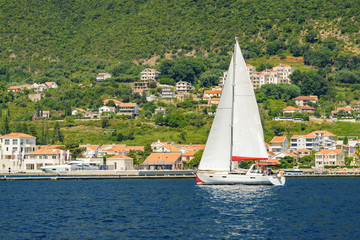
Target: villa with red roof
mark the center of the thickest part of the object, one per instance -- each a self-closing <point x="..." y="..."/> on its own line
<point x="309" y="141"/>
<point x="303" y="152"/>
<point x="117" y="102"/>
<point x="120" y="163"/>
<point x="279" y="144"/>
<point x="326" y="139"/>
<point x="163" y="161"/>
<point x="303" y="100"/>
<point x="128" y="109"/>
<point x="328" y="157"/>
<point x="290" y="109"/>
<point x="208" y="94"/>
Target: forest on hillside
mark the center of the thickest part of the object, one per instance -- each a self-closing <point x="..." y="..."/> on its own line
<point x="64" y="40"/>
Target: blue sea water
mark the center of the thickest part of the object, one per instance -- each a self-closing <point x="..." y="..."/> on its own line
<point x="306" y="208"/>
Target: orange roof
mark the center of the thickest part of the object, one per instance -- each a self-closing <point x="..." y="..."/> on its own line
<point x="127" y="104"/>
<point x="291" y="154"/>
<point x="80" y="109"/>
<point x="213" y="92"/>
<point x="304" y="150"/>
<point x="48" y="83"/>
<point x="344" y="108"/>
<point x="46" y="151"/>
<point x="290" y="108"/>
<point x="248" y="65"/>
<point x="195" y="147"/>
<point x="170" y="147"/>
<point x="119" y="157"/>
<point x="325" y="133"/>
<point x="189" y="154"/>
<point x="92" y="147"/>
<point x="153" y="70"/>
<point x="307" y="107"/>
<point x="282" y="65"/>
<point x="101" y="74"/>
<point x="271" y="153"/>
<point x="138" y="91"/>
<point x="278" y="139"/>
<point x="310" y="135"/>
<point x="26" y="85"/>
<point x="135" y="148"/>
<point x="114" y="100"/>
<point x="113" y="147"/>
<point x="305" y="98"/>
<point x="17" y="135"/>
<point x="161" y="158"/>
<point x="214" y="99"/>
<point x="14" y="87"/>
<point x="328" y="151"/>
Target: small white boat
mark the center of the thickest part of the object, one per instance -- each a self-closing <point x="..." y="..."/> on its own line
<point x="70" y="166"/>
<point x="294" y="171"/>
<point x="236" y="133"/>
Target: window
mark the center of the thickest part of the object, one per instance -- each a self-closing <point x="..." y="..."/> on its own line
<point x="15" y="149"/>
<point x="7" y="141"/>
<point x="53" y="157"/>
<point x="15" y="141"/>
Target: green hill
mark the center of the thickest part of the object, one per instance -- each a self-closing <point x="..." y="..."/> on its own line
<point x="55" y="39"/>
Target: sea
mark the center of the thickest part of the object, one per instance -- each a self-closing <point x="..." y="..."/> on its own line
<point x="305" y="208"/>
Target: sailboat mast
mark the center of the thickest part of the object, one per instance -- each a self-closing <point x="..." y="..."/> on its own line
<point x="232" y="106"/>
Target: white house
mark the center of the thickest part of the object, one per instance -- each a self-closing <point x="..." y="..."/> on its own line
<point x="120" y="162"/>
<point x="45" y="157"/>
<point x="13" y="148"/>
<point x="128" y="108"/>
<point x="329" y="157"/>
<point x="149" y="74"/>
<point x="46" y="114"/>
<point x="304" y="100"/>
<point x="77" y="111"/>
<point x="103" y="76"/>
<point x="211" y="94"/>
<point x="51" y="85"/>
<point x="183" y="86"/>
<point x="279" y="144"/>
<point x="309" y="141"/>
<point x="167" y="93"/>
<point x="326" y="139"/>
<point x="106" y="109"/>
<point x="284" y="71"/>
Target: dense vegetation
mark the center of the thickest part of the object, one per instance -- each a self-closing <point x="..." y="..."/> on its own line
<point x="69" y="42"/>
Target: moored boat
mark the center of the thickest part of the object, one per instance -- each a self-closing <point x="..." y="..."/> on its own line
<point x="236" y="133"/>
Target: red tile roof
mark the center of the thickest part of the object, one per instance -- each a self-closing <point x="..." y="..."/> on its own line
<point x="278" y="139"/>
<point x="17" y="135"/>
<point x="160" y="158"/>
<point x="328" y="151"/>
<point x="290" y="108"/>
<point x="120" y="156"/>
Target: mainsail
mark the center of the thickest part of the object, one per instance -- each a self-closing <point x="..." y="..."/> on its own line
<point x="237" y="108"/>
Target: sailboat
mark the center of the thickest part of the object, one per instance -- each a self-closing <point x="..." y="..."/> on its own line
<point x="236" y="133"/>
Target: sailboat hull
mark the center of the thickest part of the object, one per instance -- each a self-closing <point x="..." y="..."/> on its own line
<point x="226" y="178"/>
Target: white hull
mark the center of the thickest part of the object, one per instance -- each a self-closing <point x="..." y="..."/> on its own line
<point x="226" y="178"/>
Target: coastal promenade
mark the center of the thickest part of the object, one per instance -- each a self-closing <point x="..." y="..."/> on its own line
<point x="141" y="174"/>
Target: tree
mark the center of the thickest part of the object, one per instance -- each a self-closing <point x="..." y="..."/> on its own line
<point x="58" y="136"/>
<point x="69" y="121"/>
<point x="6" y="125"/>
<point x="105" y="123"/>
<point x="346" y="140"/>
<point x="197" y="157"/>
<point x="47" y="137"/>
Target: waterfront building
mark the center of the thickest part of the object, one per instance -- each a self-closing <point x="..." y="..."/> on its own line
<point x="120" y="163"/>
<point x="326" y="139"/>
<point x="163" y="161"/>
<point x="309" y="141"/>
<point x="14" y="146"/>
<point x="329" y="157"/>
<point x="42" y="157"/>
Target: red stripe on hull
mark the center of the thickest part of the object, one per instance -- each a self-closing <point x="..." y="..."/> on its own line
<point x="236" y="158"/>
<point x="198" y="180"/>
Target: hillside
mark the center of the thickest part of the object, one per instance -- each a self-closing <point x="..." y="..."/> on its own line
<point x="62" y="39"/>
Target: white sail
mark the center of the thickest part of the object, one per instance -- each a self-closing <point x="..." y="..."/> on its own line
<point x="216" y="154"/>
<point x="247" y="130"/>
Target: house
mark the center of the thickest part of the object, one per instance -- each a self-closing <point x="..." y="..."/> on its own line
<point x="120" y="163"/>
<point x="91" y="150"/>
<point x="46" y="114"/>
<point x="35" y="97"/>
<point x="222" y="79"/>
<point x="106" y="109"/>
<point x="164" y="147"/>
<point x="141" y="86"/>
<point x="308" y="109"/>
<point x="284" y="71"/>
<point x="183" y="86"/>
<point x="45" y="157"/>
<point x="117" y="102"/>
<point x="346" y="111"/>
<point x="281" y="155"/>
<point x="279" y="144"/>
<point x="328" y="157"/>
<point x="128" y="109"/>
<point x="139" y="91"/>
<point x="188" y="156"/>
<point x="51" y="85"/>
<point x="167" y="93"/>
<point x="326" y="139"/>
<point x="303" y="152"/>
<point x="149" y="74"/>
<point x="208" y="94"/>
<point x="117" y="149"/>
<point x="102" y="76"/>
<point x="13" y="148"/>
<point x="15" y="88"/>
<point x="78" y="111"/>
<point x="290" y="109"/>
<point x="309" y="141"/>
<point x="304" y="100"/>
<point x="250" y="68"/>
<point x="38" y="87"/>
<point x="213" y="101"/>
<point x="191" y="147"/>
<point x="163" y="161"/>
